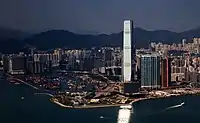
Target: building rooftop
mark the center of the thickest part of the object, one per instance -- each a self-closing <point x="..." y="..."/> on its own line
<point x="150" y="55"/>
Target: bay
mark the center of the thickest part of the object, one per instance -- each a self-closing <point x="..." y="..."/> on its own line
<point x="38" y="109"/>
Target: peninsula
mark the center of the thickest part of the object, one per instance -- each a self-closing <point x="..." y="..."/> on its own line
<point x="94" y="98"/>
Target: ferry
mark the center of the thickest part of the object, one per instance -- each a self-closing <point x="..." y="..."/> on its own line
<point x="176" y="106"/>
<point x="183" y="103"/>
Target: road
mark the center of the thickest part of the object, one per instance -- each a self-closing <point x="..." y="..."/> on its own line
<point x="108" y="89"/>
<point x="26" y="83"/>
<point x="48" y="92"/>
<point x="22" y="81"/>
<point x="105" y="91"/>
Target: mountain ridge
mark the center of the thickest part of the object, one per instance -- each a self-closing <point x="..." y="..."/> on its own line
<point x="64" y="38"/>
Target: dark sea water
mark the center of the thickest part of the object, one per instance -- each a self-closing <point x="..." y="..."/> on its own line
<point x="38" y="109"/>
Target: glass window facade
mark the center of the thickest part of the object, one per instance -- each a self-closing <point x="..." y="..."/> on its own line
<point x="150" y="71"/>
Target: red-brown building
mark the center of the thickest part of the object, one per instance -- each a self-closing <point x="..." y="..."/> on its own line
<point x="165" y="72"/>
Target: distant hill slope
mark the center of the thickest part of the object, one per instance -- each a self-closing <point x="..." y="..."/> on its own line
<point x="6" y="33"/>
<point x="191" y="33"/>
<point x="60" y="38"/>
<point x="11" y="40"/>
<point x="63" y="38"/>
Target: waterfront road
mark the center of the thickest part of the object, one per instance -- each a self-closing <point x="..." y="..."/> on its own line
<point x="48" y="94"/>
<point x="105" y="91"/>
<point x="25" y="83"/>
<point x="30" y="85"/>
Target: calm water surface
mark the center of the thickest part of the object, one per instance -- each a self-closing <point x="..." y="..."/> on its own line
<point x="38" y="109"/>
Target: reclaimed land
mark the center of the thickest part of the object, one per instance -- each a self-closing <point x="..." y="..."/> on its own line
<point x="181" y="92"/>
<point x="167" y="94"/>
<point x="85" y="106"/>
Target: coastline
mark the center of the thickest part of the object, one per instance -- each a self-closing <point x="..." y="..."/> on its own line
<point x="154" y="98"/>
<point x="86" y="106"/>
<point x="23" y="82"/>
<point x="196" y="92"/>
<point x="34" y="87"/>
<point x="48" y="94"/>
<point x="116" y="105"/>
<point x="62" y="105"/>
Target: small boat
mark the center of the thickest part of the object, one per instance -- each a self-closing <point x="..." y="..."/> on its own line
<point x="22" y="98"/>
<point x="183" y="103"/>
<point x="101" y="117"/>
<point x="176" y="106"/>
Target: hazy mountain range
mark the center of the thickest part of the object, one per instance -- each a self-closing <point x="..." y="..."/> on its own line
<point x="14" y="40"/>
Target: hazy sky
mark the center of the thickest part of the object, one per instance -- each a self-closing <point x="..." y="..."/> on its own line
<point x="99" y="15"/>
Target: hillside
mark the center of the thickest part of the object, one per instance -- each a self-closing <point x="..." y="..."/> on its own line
<point x="61" y="38"/>
<point x="14" y="40"/>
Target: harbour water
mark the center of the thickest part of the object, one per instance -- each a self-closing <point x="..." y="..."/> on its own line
<point x="38" y="109"/>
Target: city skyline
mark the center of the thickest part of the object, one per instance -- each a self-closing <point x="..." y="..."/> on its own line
<point x="98" y="17"/>
<point x="138" y="59"/>
<point x="163" y="70"/>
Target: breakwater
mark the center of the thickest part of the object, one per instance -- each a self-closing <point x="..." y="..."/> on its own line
<point x="48" y="94"/>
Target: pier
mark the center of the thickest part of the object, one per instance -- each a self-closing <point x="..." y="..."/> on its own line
<point x="26" y="83"/>
<point x="48" y="94"/>
<point x="23" y="82"/>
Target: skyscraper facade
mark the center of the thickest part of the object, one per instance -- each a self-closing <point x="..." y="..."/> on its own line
<point x="127" y="52"/>
<point x="165" y="72"/>
<point x="150" y="71"/>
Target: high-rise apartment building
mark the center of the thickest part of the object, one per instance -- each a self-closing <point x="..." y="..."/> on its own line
<point x="183" y="42"/>
<point x="16" y="64"/>
<point x="165" y="72"/>
<point x="150" y="71"/>
<point x="127" y="51"/>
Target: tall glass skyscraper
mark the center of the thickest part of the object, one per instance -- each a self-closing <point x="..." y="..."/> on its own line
<point x="127" y="52"/>
<point x="150" y="71"/>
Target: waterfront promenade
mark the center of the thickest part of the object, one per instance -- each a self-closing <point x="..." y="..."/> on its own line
<point x="22" y="81"/>
<point x="85" y="106"/>
<point x="30" y="85"/>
